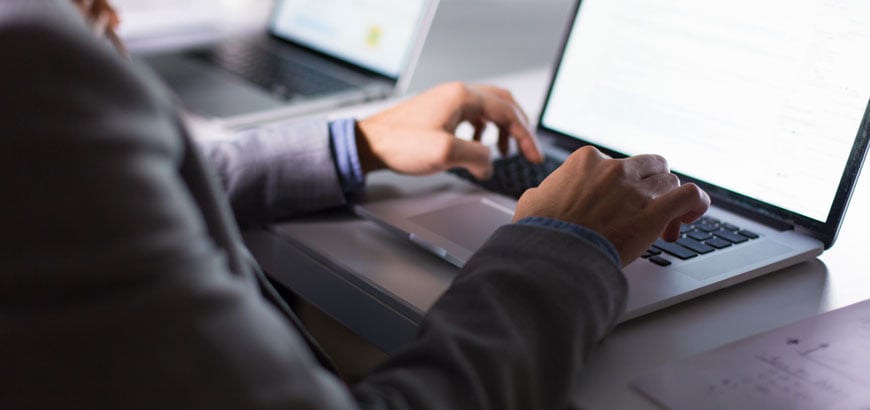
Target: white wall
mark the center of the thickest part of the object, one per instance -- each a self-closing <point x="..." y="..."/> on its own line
<point x="473" y="39"/>
<point x="470" y="39"/>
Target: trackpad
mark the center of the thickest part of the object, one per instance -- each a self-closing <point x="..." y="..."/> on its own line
<point x="468" y="224"/>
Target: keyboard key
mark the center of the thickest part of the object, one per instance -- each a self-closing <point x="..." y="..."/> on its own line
<point x="695" y="245"/>
<point x="729" y="227"/>
<point x="285" y="76"/>
<point x="658" y="260"/>
<point x="718" y="243"/>
<point x="707" y="227"/>
<point x="512" y="176"/>
<point x="686" y="229"/>
<point x="748" y="234"/>
<point x="699" y="236"/>
<point x="674" y="249"/>
<point x="709" y="220"/>
<point x="731" y="236"/>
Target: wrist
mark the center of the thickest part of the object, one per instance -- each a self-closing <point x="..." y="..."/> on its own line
<point x="580" y="231"/>
<point x="369" y="161"/>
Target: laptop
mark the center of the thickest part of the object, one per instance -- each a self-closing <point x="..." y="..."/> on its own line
<point x="763" y="104"/>
<point x="315" y="55"/>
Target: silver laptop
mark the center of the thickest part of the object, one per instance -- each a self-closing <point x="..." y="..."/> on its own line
<point x="758" y="102"/>
<point x="315" y="55"/>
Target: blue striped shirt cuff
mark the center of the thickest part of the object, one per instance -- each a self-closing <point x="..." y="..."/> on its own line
<point x="579" y="231"/>
<point x="342" y="134"/>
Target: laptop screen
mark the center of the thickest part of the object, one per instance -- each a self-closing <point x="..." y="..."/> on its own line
<point x="760" y="97"/>
<point x="375" y="34"/>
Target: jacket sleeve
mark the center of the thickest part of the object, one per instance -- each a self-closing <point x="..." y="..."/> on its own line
<point x="511" y="331"/>
<point x="279" y="171"/>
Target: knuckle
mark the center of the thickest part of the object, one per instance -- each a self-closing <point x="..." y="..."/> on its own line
<point x="584" y="154"/>
<point x="507" y="95"/>
<point x="693" y="193"/>
<point x="455" y="88"/>
<point x="587" y="150"/>
<point x="700" y="193"/>
<point x="662" y="160"/>
<point x="693" y="189"/>
<point x="614" y="170"/>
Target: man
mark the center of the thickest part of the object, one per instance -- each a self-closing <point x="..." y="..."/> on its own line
<point x="123" y="285"/>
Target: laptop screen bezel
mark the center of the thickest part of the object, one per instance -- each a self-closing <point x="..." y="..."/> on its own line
<point x="752" y="208"/>
<point x="402" y="78"/>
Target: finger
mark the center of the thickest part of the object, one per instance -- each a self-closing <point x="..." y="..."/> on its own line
<point x="681" y="205"/>
<point x="530" y="147"/>
<point x="95" y="9"/>
<point x="504" y="140"/>
<point x="109" y="10"/>
<point x="101" y="24"/>
<point x="479" y="127"/>
<point x="472" y="156"/>
<point x="499" y="106"/>
<point x="659" y="184"/>
<point x="505" y="95"/>
<point x="508" y="118"/>
<point x="84" y="7"/>
<point x="589" y="156"/>
<point x="645" y="166"/>
<point x="117" y="42"/>
<point x="672" y="231"/>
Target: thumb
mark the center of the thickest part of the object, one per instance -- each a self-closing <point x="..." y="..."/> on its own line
<point x="474" y="157"/>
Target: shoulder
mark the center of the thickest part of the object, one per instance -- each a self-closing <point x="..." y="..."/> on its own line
<point x="55" y="71"/>
<point x="48" y="41"/>
<point x="27" y="23"/>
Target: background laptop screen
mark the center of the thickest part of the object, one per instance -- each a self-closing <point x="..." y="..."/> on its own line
<point x="375" y="34"/>
<point x="760" y="97"/>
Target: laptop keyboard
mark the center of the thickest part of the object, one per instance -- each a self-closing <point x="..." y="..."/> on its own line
<point x="702" y="237"/>
<point x="512" y="176"/>
<point x="280" y="75"/>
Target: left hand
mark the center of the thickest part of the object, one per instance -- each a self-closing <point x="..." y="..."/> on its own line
<point x="418" y="136"/>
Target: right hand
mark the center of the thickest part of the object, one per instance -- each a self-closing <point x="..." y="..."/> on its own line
<point x="631" y="201"/>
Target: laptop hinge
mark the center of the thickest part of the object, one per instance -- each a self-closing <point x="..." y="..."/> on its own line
<point x="755" y="214"/>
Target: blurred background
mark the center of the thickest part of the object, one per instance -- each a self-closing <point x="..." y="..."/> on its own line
<point x="469" y="39"/>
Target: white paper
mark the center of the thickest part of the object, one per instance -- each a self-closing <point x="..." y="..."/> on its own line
<point x="819" y="363"/>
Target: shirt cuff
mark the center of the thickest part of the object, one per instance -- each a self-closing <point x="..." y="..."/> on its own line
<point x="582" y="232"/>
<point x="342" y="135"/>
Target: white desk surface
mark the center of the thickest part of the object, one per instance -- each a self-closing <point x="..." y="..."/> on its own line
<point x="834" y="280"/>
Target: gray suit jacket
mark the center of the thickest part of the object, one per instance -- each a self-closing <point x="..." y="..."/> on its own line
<point x="122" y="284"/>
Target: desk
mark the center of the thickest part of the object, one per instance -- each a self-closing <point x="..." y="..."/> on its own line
<point x="379" y="285"/>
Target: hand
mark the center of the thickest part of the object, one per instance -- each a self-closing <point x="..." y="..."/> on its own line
<point x="418" y="136"/>
<point x="99" y="13"/>
<point x="103" y="19"/>
<point x="631" y="201"/>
